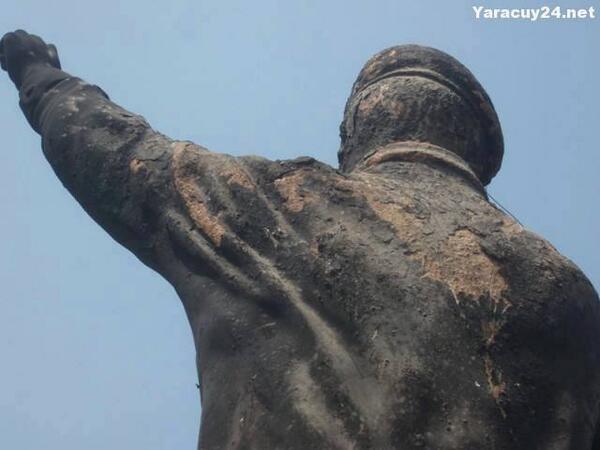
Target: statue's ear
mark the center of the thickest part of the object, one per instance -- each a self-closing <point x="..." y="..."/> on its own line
<point x="53" y="54"/>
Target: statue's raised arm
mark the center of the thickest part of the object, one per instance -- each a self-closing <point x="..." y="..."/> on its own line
<point x="108" y="158"/>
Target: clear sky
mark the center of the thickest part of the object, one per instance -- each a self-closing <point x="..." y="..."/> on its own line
<point x="95" y="349"/>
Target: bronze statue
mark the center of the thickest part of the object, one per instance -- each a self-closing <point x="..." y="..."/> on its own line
<point x="387" y="304"/>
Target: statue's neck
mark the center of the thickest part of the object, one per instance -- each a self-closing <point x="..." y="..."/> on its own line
<point x="425" y="153"/>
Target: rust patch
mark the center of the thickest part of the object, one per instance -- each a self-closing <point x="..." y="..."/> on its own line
<point x="490" y="329"/>
<point x="408" y="227"/>
<point x="289" y="187"/>
<point x="193" y="197"/>
<point x="496" y="386"/>
<point x="136" y="165"/>
<point x="236" y="175"/>
<point x="511" y="227"/>
<point x="459" y="262"/>
<point x="467" y="270"/>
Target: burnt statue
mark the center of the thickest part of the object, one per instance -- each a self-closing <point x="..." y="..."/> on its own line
<point x="385" y="304"/>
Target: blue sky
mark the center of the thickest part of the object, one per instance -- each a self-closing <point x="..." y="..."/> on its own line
<point x="96" y="350"/>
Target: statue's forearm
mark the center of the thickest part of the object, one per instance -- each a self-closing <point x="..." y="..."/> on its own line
<point x="109" y="159"/>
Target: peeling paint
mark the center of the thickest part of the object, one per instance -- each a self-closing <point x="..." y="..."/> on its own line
<point x="289" y="187"/>
<point x="194" y="198"/>
<point x="136" y="165"/>
<point x="237" y="176"/>
<point x="466" y="269"/>
<point x="496" y="386"/>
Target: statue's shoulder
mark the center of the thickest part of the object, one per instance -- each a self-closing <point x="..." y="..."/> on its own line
<point x="539" y="273"/>
<point x="544" y="255"/>
<point x="270" y="170"/>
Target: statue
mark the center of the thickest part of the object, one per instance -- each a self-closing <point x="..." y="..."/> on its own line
<point x="387" y="304"/>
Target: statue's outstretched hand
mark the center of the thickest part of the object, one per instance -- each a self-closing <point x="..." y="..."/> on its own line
<point x="21" y="51"/>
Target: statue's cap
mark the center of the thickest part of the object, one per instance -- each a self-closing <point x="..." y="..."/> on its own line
<point x="416" y="60"/>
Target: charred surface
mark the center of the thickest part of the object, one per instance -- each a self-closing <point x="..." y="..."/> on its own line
<point x="388" y="305"/>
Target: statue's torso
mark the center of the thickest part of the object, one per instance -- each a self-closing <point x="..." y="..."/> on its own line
<point x="391" y="308"/>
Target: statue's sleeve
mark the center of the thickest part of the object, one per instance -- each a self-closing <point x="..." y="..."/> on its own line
<point x="114" y="164"/>
<point x="153" y="193"/>
<point x="227" y="223"/>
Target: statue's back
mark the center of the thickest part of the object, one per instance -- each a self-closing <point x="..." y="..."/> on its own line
<point x="399" y="309"/>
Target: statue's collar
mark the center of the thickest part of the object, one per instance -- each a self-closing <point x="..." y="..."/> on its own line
<point x="424" y="153"/>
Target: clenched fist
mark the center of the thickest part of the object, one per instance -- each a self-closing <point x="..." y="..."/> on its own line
<point x="21" y="51"/>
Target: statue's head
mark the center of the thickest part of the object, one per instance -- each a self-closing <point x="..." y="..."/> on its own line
<point x="414" y="93"/>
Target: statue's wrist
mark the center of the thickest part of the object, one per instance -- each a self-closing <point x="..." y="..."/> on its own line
<point x="29" y="71"/>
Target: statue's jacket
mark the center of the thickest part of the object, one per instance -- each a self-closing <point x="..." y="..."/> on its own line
<point x="390" y="307"/>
